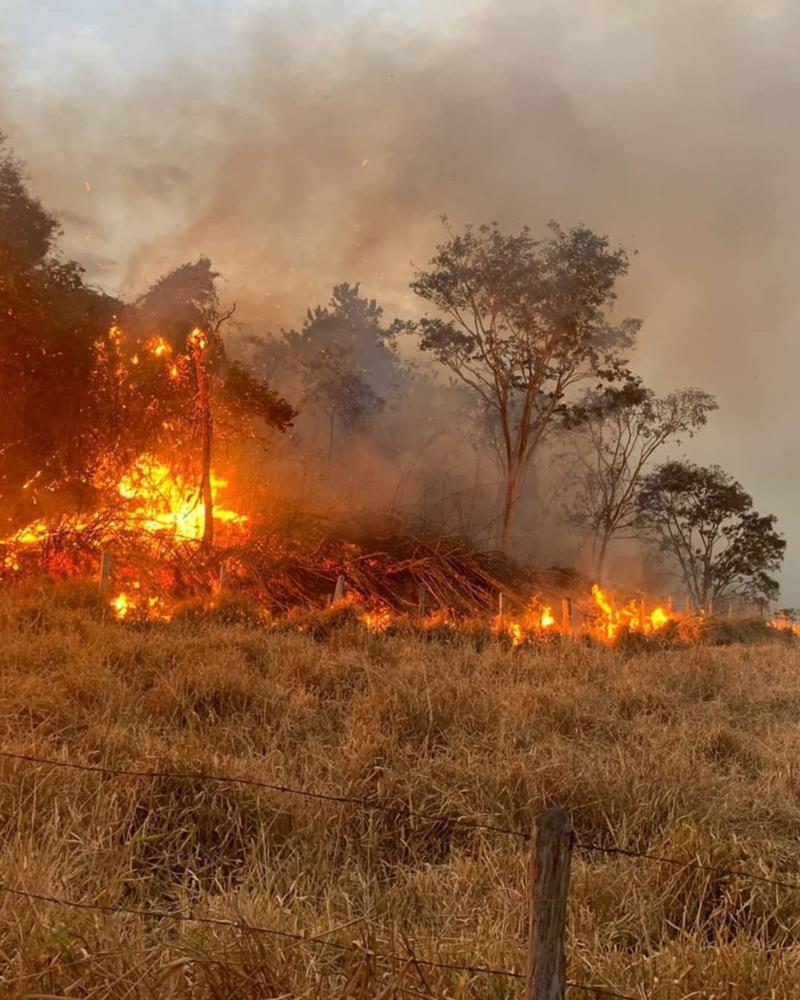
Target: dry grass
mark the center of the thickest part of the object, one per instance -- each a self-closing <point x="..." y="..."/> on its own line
<point x="688" y="753"/>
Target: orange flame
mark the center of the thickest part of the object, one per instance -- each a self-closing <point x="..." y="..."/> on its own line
<point x="165" y="502"/>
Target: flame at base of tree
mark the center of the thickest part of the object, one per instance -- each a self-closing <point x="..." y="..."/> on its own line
<point x="161" y="500"/>
<point x="148" y="500"/>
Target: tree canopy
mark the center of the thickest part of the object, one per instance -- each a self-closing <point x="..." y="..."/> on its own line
<point x="343" y="361"/>
<point x="705" y="520"/>
<point x="621" y="432"/>
<point x="522" y="322"/>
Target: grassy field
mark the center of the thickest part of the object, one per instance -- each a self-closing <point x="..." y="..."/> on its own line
<point x="688" y="753"/>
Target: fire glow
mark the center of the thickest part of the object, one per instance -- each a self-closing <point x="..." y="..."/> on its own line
<point x="157" y="505"/>
<point x="162" y="501"/>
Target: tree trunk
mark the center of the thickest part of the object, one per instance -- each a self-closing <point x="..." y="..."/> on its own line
<point x="331" y="430"/>
<point x="205" y="417"/>
<point x="509" y="508"/>
<point x="600" y="558"/>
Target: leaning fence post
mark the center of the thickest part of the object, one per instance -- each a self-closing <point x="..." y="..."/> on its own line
<point x="548" y="886"/>
<point x="338" y="593"/>
<point x="105" y="572"/>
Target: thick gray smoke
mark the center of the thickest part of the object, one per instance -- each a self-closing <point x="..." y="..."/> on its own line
<point x="302" y="147"/>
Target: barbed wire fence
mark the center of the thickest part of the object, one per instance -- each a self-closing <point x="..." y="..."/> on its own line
<point x="551" y="843"/>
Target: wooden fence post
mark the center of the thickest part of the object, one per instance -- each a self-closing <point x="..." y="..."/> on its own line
<point x="105" y="572"/>
<point x="423" y="601"/>
<point x="548" y="887"/>
<point x="566" y="614"/>
<point x="338" y="593"/>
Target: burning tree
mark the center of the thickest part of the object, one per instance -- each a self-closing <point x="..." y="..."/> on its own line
<point x="621" y="432"/>
<point x="705" y="520"/>
<point x="523" y="324"/>
<point x="49" y="319"/>
<point x="104" y="402"/>
<point x="152" y="400"/>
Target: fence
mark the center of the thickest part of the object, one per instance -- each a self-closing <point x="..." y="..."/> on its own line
<point x="551" y="845"/>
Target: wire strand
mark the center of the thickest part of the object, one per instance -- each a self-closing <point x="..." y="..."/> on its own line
<point x="392" y="810"/>
<point x="696" y="865"/>
<point x="287" y="935"/>
<point x="253" y="783"/>
<point x="241" y="925"/>
<point x="600" y="991"/>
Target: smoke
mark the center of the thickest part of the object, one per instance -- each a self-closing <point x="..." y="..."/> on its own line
<point x="302" y="146"/>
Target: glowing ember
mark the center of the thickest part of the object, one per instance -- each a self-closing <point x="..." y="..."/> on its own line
<point x="197" y="339"/>
<point x="158" y="347"/>
<point x="376" y="621"/>
<point x="134" y="604"/>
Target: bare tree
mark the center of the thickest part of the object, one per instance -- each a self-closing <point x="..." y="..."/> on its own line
<point x="622" y="431"/>
<point x="523" y="322"/>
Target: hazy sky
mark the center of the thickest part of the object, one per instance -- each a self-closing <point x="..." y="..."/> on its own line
<point x="305" y="143"/>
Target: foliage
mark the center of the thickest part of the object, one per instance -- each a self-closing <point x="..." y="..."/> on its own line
<point x="622" y="429"/>
<point x="705" y="520"/>
<point x="49" y="319"/>
<point x="523" y="322"/>
<point x="248" y="398"/>
<point x="343" y="359"/>
<point x="177" y="303"/>
<point x="27" y="229"/>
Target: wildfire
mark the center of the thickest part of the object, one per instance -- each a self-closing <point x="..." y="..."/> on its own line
<point x="630" y="617"/>
<point x="784" y="625"/>
<point x="134" y="604"/>
<point x="152" y="500"/>
<point x="376" y="620"/>
<point x="536" y="619"/>
<point x="163" y="501"/>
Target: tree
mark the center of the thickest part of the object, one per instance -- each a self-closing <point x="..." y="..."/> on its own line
<point x="27" y="230"/>
<point x="148" y="398"/>
<point x="523" y="322"/>
<point x="622" y="430"/>
<point x="332" y="383"/>
<point x="183" y="300"/>
<point x="184" y="308"/>
<point x="705" y="520"/>
<point x="343" y="361"/>
<point x="49" y="320"/>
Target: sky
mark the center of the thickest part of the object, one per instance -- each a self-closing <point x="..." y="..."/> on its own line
<point x="302" y="144"/>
